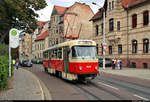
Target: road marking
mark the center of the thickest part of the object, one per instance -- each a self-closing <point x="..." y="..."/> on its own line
<point x="109" y="85"/>
<point x="141" y="97"/>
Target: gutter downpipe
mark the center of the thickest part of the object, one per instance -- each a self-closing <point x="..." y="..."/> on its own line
<point x="128" y="62"/>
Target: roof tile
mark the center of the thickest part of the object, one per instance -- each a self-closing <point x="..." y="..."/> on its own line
<point x="60" y="9"/>
<point x="42" y="36"/>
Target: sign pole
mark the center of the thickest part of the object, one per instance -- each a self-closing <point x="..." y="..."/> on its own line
<point x="9" y="58"/>
<point x="13" y="43"/>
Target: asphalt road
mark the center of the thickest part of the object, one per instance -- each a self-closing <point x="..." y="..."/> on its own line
<point x="130" y="85"/>
<point x="104" y="87"/>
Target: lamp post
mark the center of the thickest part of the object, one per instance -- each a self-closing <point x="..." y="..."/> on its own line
<point x="104" y="43"/>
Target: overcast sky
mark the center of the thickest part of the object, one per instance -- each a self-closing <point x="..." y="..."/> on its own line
<point x="46" y="12"/>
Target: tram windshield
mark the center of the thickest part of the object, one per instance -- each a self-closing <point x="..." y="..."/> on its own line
<point x="84" y="52"/>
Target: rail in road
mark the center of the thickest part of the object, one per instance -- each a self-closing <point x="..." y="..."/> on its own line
<point x="101" y="88"/>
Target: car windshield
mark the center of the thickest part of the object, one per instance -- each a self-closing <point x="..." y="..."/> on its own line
<point x="85" y="52"/>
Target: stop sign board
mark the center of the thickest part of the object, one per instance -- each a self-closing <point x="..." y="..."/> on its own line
<point x="104" y="46"/>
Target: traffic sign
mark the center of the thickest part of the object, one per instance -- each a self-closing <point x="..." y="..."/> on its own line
<point x="14" y="38"/>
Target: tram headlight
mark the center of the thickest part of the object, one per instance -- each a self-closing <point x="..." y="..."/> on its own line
<point x="80" y="68"/>
<point x="96" y="68"/>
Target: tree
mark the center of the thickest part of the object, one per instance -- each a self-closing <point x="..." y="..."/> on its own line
<point x="18" y="14"/>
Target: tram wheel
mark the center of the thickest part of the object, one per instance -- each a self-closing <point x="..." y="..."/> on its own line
<point x="46" y="70"/>
<point x="60" y="74"/>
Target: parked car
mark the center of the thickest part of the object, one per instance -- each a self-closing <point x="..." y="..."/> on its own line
<point x="27" y="63"/>
<point x="108" y="62"/>
<point x="21" y="61"/>
<point x="34" y="61"/>
<point x="39" y="61"/>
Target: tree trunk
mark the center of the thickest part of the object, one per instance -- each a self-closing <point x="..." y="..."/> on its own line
<point x="2" y="37"/>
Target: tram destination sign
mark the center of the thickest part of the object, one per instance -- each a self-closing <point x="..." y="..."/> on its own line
<point x="85" y="42"/>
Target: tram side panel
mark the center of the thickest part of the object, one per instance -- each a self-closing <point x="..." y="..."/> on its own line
<point x="83" y="68"/>
<point x="46" y="63"/>
<point x="57" y="65"/>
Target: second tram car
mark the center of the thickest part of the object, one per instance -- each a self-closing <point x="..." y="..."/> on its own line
<point x="72" y="60"/>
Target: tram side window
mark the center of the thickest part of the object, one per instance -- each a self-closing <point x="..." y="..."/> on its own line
<point x="73" y="52"/>
<point x="55" y="53"/>
<point x="46" y="55"/>
<point x="60" y="53"/>
<point x="52" y="54"/>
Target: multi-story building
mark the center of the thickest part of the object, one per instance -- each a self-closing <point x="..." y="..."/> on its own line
<point x="21" y="41"/>
<point x="70" y="22"/>
<point x="41" y="41"/>
<point x="27" y="46"/>
<point x="42" y="27"/>
<point x="127" y="31"/>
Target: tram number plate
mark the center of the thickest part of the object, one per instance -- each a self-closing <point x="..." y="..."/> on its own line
<point x="88" y="66"/>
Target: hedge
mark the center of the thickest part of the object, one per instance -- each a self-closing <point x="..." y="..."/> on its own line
<point x="4" y="71"/>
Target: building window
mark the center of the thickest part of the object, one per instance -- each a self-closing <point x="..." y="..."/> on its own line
<point x="145" y="18"/>
<point x="97" y="48"/>
<point x="133" y="64"/>
<point x="112" y="4"/>
<point x="56" y="40"/>
<point x="97" y="30"/>
<point x="102" y="27"/>
<point x="134" y="46"/>
<point x="110" y="49"/>
<point x="134" y="20"/>
<point x="118" y="25"/>
<point x="145" y="65"/>
<point x="111" y="24"/>
<point x="119" y="49"/>
<point x="109" y="5"/>
<point x="102" y="49"/>
<point x="145" y="45"/>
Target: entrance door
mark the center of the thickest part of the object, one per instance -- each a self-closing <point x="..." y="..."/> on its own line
<point x="66" y="59"/>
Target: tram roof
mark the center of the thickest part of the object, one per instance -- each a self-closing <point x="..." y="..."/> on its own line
<point x="71" y="43"/>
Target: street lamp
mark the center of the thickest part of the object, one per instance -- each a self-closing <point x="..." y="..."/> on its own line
<point x="104" y="43"/>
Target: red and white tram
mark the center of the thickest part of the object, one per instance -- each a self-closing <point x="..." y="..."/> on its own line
<point x="72" y="60"/>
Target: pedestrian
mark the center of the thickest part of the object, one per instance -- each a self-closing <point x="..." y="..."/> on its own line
<point x="17" y="63"/>
<point x="120" y="64"/>
<point x="113" y="63"/>
<point x="13" y="62"/>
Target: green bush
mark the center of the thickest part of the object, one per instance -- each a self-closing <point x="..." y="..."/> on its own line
<point x="4" y="49"/>
<point x="4" y="71"/>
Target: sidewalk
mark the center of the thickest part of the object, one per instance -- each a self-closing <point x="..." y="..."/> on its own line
<point x="131" y="72"/>
<point x="26" y="86"/>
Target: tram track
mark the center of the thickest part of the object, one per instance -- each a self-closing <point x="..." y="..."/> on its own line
<point x="94" y="84"/>
<point x="88" y="93"/>
<point x="93" y="89"/>
<point x="124" y="79"/>
<point x="128" y="88"/>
